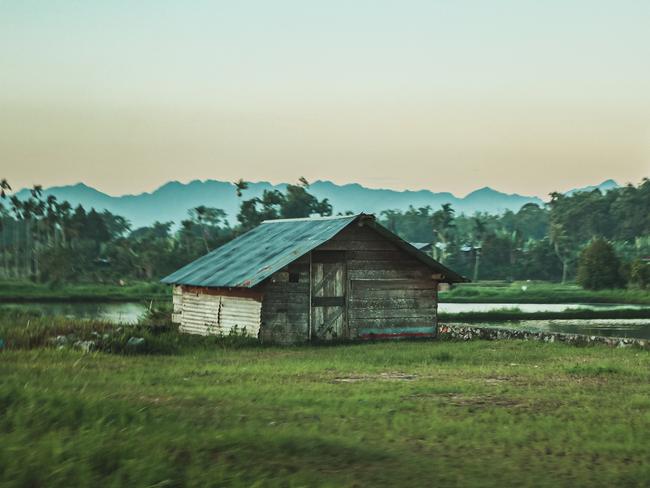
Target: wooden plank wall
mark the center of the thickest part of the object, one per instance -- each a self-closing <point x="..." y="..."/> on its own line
<point x="285" y="307"/>
<point x="390" y="293"/>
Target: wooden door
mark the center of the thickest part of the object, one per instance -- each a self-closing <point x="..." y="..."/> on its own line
<point x="328" y="295"/>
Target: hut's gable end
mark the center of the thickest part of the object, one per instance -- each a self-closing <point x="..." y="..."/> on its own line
<point x="285" y="308"/>
<point x="390" y="293"/>
<point x="213" y="311"/>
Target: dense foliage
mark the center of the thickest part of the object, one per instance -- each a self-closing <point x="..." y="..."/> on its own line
<point x="599" y="267"/>
<point x="50" y="241"/>
<point x="541" y="243"/>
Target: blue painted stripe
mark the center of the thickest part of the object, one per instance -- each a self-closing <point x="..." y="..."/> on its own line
<point x="397" y="330"/>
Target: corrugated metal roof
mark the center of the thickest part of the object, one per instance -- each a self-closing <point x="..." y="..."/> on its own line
<point x="257" y="254"/>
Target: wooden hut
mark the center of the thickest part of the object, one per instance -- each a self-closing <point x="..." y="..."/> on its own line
<point x="297" y="280"/>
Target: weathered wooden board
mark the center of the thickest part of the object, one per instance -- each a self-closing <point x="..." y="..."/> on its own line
<point x="377" y="245"/>
<point x="391" y="284"/>
<point x="388" y="274"/>
<point x="390" y="322"/>
<point x="427" y="315"/>
<point x="385" y="264"/>
<point x="393" y="302"/>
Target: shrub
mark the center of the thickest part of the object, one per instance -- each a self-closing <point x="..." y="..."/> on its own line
<point x="640" y="273"/>
<point x="599" y="266"/>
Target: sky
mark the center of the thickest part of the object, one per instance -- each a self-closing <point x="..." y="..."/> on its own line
<point x="522" y="96"/>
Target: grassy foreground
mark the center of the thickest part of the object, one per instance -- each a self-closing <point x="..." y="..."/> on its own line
<point x="540" y="292"/>
<point x="383" y="414"/>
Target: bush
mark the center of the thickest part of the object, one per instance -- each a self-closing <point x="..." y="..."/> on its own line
<point x="599" y="266"/>
<point x="640" y="273"/>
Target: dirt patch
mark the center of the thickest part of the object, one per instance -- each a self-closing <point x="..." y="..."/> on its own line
<point x="474" y="402"/>
<point x="390" y="376"/>
<point x="498" y="380"/>
<point x="483" y="401"/>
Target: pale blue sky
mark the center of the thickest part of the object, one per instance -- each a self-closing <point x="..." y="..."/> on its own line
<point x="447" y="95"/>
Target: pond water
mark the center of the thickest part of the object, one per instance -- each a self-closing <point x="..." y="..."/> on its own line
<point x="532" y="307"/>
<point x="116" y="313"/>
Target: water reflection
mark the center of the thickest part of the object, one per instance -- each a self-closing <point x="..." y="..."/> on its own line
<point x="532" y="307"/>
<point x="116" y="313"/>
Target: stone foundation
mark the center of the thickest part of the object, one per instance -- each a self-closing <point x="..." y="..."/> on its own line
<point x="468" y="333"/>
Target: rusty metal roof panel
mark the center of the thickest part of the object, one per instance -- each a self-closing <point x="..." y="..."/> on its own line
<point x="257" y="254"/>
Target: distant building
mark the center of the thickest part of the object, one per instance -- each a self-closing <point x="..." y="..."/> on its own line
<point x="313" y="279"/>
<point x="422" y="246"/>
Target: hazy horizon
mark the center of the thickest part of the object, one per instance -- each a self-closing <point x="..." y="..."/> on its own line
<point x="545" y="197"/>
<point x="522" y="97"/>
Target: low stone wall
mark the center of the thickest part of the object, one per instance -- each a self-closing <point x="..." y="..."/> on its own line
<point x="468" y="333"/>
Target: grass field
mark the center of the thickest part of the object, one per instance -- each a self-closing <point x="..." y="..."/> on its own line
<point x="540" y="292"/>
<point x="216" y="412"/>
<point x="27" y="291"/>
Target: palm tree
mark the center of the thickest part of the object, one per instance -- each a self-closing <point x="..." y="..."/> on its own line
<point x="36" y="230"/>
<point x="559" y="239"/>
<point x="443" y="224"/>
<point x="391" y="218"/>
<point x="240" y="186"/>
<point x="17" y="209"/>
<point x="63" y="216"/>
<point x="4" y="189"/>
<point x="479" y="233"/>
<point x="52" y="220"/>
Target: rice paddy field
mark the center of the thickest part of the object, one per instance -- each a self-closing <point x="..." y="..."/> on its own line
<point x="192" y="411"/>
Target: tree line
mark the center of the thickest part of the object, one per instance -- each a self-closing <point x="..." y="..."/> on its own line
<point x="537" y="242"/>
<point x="47" y="240"/>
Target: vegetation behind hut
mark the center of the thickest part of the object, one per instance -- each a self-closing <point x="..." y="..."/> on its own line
<point x="46" y="240"/>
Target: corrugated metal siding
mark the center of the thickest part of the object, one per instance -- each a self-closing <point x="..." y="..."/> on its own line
<point x="210" y="314"/>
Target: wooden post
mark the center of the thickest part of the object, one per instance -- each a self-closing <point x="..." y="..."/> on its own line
<point x="309" y="327"/>
<point x="435" y="308"/>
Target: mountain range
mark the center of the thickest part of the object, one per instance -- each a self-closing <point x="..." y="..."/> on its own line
<point x="172" y="200"/>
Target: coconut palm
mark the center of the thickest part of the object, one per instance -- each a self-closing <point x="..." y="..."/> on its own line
<point x="240" y="186"/>
<point x="4" y="189"/>
<point x="480" y="229"/>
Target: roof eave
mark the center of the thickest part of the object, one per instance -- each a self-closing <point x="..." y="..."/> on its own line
<point x="449" y="276"/>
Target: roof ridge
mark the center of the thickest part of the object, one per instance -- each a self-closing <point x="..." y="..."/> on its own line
<point x="303" y="219"/>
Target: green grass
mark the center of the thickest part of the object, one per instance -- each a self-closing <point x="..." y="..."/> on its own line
<point x="214" y="412"/>
<point x="26" y="291"/>
<point x="516" y="314"/>
<point x="540" y="292"/>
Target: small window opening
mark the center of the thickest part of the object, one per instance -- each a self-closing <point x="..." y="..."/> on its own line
<point x="294" y="277"/>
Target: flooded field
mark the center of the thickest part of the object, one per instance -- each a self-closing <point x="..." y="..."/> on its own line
<point x="533" y="307"/>
<point x="117" y="313"/>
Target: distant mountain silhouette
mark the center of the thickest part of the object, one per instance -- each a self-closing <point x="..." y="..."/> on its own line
<point x="604" y="187"/>
<point x="172" y="200"/>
